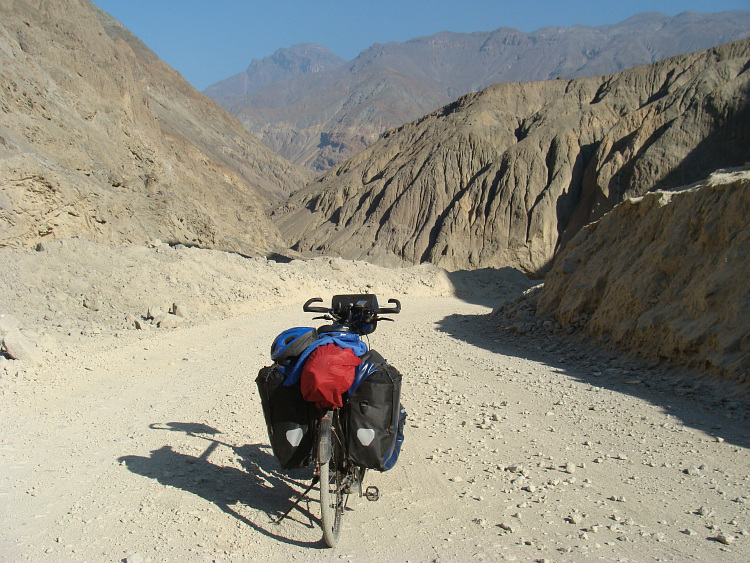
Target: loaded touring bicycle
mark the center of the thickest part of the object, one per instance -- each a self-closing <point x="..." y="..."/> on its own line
<point x="331" y="402"/>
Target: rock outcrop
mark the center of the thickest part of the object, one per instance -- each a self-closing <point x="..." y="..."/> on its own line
<point x="666" y="275"/>
<point x="101" y="139"/>
<point x="330" y="112"/>
<point x="506" y="176"/>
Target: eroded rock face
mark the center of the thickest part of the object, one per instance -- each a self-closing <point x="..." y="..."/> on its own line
<point x="506" y="176"/>
<point x="101" y="139"/>
<point x="666" y="275"/>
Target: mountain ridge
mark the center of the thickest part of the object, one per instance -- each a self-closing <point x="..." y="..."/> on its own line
<point x="303" y="58"/>
<point x="295" y="117"/>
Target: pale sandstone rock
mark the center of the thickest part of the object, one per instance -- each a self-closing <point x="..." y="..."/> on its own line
<point x="18" y="347"/>
<point x="180" y="309"/>
<point x="168" y="320"/>
<point x="8" y="323"/>
<point x="665" y="275"/>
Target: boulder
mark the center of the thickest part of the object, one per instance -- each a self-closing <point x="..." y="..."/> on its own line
<point x="18" y="347"/>
<point x="153" y="313"/>
<point x="168" y="320"/>
<point x="179" y="309"/>
<point x="8" y="323"/>
<point x="92" y="302"/>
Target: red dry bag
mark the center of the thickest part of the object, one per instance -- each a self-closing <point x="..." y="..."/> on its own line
<point x="327" y="374"/>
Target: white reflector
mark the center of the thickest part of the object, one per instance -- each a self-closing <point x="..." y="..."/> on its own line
<point x="294" y="436"/>
<point x="365" y="436"/>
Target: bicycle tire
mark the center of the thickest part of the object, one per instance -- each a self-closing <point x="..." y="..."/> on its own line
<point x="331" y="481"/>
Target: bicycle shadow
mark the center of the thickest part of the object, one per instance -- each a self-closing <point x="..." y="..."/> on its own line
<point x="258" y="485"/>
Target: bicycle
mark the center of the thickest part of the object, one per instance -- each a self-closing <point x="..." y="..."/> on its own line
<point x="336" y="473"/>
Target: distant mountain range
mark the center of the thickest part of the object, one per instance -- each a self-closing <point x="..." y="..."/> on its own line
<point x="317" y="110"/>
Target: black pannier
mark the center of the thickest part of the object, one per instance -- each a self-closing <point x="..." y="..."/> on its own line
<point x="375" y="417"/>
<point x="289" y="418"/>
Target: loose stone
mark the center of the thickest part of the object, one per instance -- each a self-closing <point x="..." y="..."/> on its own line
<point x="723" y="538"/>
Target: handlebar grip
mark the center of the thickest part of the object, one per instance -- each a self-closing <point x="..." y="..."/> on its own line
<point x="307" y="308"/>
<point x="390" y="310"/>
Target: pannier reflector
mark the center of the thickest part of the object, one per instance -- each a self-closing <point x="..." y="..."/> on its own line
<point x="365" y="436"/>
<point x="294" y="436"/>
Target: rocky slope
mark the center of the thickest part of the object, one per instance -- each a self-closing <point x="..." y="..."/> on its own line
<point x="76" y="287"/>
<point x="666" y="275"/>
<point x="100" y="139"/>
<point x="321" y="119"/>
<point x="506" y="176"/>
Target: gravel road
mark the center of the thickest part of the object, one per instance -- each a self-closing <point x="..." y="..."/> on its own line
<point x="150" y="446"/>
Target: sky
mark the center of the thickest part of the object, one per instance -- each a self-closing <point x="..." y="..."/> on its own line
<point x="210" y="40"/>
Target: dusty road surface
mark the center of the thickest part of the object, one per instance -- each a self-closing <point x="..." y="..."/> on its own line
<point x="150" y="446"/>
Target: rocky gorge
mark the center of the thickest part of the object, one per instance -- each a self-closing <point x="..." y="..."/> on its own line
<point x="507" y="176"/>
<point x="571" y="256"/>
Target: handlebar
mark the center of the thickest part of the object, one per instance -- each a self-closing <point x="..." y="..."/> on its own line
<point x="390" y="310"/>
<point x="355" y="313"/>
<point x="308" y="307"/>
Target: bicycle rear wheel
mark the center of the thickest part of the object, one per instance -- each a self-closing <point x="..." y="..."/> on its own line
<point x="331" y="480"/>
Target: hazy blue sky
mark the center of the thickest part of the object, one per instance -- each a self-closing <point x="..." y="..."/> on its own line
<point x="209" y="40"/>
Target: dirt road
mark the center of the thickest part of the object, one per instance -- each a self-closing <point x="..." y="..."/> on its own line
<point x="151" y="447"/>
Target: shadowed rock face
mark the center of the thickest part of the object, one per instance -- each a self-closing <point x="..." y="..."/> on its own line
<point x="506" y="176"/>
<point x="665" y="275"/>
<point x="331" y="111"/>
<point x="101" y="139"/>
